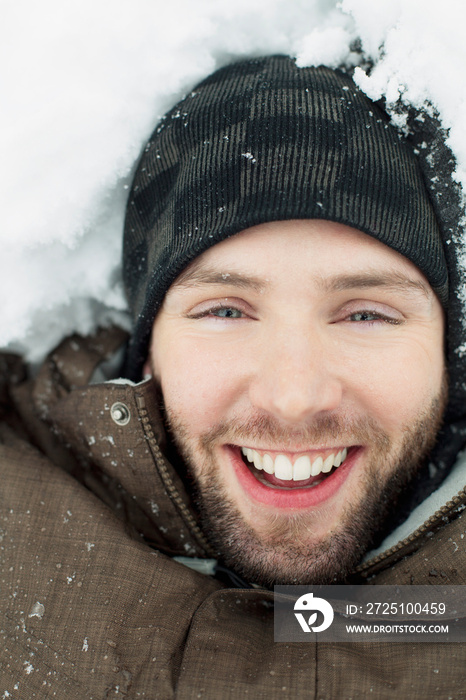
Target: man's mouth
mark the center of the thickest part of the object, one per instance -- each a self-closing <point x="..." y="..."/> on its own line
<point x="292" y="480"/>
<point x="299" y="468"/>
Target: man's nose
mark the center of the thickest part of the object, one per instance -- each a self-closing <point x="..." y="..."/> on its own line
<point x="296" y="378"/>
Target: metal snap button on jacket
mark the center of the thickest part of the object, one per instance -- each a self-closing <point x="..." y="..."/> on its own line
<point x="120" y="413"/>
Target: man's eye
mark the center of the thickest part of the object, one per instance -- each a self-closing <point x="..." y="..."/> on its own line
<point x="368" y="316"/>
<point x="218" y="311"/>
<point x="226" y="312"/>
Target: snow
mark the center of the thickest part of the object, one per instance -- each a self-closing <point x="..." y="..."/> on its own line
<point x="37" y="610"/>
<point x="84" y="84"/>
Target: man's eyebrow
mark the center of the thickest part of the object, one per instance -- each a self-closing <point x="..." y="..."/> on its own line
<point x="199" y="275"/>
<point x="395" y="281"/>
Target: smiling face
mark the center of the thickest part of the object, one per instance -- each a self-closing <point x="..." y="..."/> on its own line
<point x="302" y="371"/>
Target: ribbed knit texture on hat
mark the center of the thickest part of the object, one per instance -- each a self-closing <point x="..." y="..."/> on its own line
<point x="263" y="140"/>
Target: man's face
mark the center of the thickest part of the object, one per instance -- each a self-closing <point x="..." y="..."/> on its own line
<point x="302" y="371"/>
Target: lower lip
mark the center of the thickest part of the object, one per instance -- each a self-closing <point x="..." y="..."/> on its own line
<point x="292" y="498"/>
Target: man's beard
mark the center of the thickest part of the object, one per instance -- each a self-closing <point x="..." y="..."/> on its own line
<point x="286" y="552"/>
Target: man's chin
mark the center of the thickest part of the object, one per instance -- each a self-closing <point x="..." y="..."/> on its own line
<point x="320" y="544"/>
<point x="288" y="554"/>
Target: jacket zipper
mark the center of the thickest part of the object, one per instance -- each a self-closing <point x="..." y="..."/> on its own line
<point x="183" y="510"/>
<point x="443" y="514"/>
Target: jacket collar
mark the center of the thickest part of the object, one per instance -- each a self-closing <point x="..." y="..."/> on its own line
<point x="114" y="439"/>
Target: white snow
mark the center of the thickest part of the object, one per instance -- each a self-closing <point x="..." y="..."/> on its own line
<point x="37" y="610"/>
<point x="83" y="84"/>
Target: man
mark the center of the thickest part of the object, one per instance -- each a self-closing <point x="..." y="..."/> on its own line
<point x="295" y="295"/>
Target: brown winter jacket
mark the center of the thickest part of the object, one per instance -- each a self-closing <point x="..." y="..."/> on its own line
<point x="92" y="603"/>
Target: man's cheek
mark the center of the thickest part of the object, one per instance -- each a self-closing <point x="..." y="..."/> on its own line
<point x="393" y="387"/>
<point x="195" y="394"/>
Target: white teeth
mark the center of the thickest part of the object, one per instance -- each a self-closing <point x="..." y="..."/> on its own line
<point x="328" y="464"/>
<point x="268" y="464"/>
<point x="317" y="466"/>
<point x="257" y="460"/>
<point x="302" y="469"/>
<point x="283" y="468"/>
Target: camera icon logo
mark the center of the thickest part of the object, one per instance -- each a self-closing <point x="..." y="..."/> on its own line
<point x="313" y="605"/>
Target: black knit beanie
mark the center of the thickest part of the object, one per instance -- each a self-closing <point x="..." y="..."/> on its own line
<point x="263" y="140"/>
